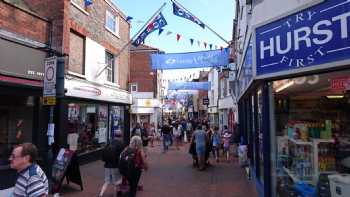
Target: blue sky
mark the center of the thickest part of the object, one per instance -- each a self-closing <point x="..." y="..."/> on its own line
<point x="218" y="15"/>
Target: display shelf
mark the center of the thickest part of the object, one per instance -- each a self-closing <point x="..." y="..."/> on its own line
<point x="300" y="142"/>
<point x="295" y="178"/>
<point x="291" y="175"/>
<point x="323" y="140"/>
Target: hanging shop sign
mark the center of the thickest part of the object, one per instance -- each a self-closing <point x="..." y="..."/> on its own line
<point x="82" y="89"/>
<point x="316" y="36"/>
<point x="213" y="58"/>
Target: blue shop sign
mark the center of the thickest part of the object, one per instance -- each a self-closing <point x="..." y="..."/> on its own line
<point x="315" y="36"/>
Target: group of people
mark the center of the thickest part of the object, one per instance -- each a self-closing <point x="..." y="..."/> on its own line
<point x="125" y="164"/>
<point x="206" y="140"/>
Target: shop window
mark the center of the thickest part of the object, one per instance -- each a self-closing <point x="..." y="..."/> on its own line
<point x="312" y="118"/>
<point x="112" y="22"/>
<point x="110" y="69"/>
<point x="76" y="53"/>
<point x="87" y="126"/>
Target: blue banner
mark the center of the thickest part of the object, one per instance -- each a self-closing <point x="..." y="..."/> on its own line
<point x="178" y="11"/>
<point x="202" y="59"/>
<point x="157" y="23"/>
<point x="314" y="36"/>
<point x="189" y="86"/>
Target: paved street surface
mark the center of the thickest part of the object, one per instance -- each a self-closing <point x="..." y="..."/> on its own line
<point x="172" y="175"/>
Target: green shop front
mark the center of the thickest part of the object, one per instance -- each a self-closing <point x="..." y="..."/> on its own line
<point x="294" y="102"/>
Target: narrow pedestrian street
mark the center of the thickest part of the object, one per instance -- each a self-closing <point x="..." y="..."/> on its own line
<point x="171" y="174"/>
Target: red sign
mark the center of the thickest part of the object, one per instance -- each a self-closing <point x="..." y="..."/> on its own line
<point x="341" y="83"/>
<point x="21" y="81"/>
<point x="90" y="90"/>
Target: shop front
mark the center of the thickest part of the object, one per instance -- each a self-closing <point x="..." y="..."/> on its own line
<point x="295" y="112"/>
<point x="145" y="111"/>
<point x="90" y="115"/>
<point x="22" y="116"/>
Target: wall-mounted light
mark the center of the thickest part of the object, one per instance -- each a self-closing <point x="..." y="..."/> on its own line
<point x="335" y="96"/>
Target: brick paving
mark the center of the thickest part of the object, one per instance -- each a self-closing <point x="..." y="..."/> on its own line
<point x="172" y="175"/>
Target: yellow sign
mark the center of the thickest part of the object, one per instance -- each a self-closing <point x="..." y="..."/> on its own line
<point x="148" y="103"/>
<point x="49" y="100"/>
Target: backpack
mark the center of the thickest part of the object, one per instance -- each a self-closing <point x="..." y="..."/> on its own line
<point x="127" y="162"/>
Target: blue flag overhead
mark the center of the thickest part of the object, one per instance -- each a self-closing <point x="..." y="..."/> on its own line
<point x="189" y="85"/>
<point x="88" y="2"/>
<point x="201" y="59"/>
<point x="178" y="11"/>
<point x="158" y="22"/>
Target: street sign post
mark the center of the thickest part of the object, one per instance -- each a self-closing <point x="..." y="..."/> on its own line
<point x="49" y="92"/>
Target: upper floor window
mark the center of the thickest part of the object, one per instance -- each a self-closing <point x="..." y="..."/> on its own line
<point x="110" y="63"/>
<point x="112" y="22"/>
<point x="76" y="53"/>
<point x="82" y="4"/>
<point x="133" y="87"/>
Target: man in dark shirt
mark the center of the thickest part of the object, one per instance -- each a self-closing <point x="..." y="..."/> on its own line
<point x="166" y="130"/>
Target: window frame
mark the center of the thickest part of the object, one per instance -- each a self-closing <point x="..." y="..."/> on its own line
<point x="110" y="15"/>
<point x="133" y="85"/>
<point x="82" y="75"/>
<point x="110" y="68"/>
<point x="80" y="8"/>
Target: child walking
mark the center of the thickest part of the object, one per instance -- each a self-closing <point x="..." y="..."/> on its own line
<point x="216" y="143"/>
<point x="226" y="140"/>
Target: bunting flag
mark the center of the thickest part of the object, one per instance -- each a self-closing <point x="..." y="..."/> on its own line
<point x="178" y="36"/>
<point x="157" y="23"/>
<point x="129" y="18"/>
<point x="88" y="2"/>
<point x="168" y="33"/>
<point x="191" y="40"/>
<point x="178" y="10"/>
<point x="210" y="46"/>
<point x="205" y="45"/>
<point x="160" y="31"/>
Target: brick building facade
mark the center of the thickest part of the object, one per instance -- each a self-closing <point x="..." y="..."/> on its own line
<point x="96" y="98"/>
<point x="145" y="86"/>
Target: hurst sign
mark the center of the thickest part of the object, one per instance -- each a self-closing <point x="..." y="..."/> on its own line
<point x="318" y="35"/>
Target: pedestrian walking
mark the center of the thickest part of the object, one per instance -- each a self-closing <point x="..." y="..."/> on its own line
<point x="152" y="133"/>
<point x="31" y="180"/>
<point x="199" y="137"/>
<point x="166" y="130"/>
<point x="226" y="139"/>
<point x="216" y="143"/>
<point x="177" y="135"/>
<point x="110" y="156"/>
<point x="132" y="162"/>
<point x="136" y="130"/>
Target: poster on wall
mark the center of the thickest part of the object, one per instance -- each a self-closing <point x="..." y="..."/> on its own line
<point x="73" y="111"/>
<point x="102" y="135"/>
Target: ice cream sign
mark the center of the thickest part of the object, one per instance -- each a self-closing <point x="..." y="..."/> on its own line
<point x="318" y="35"/>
